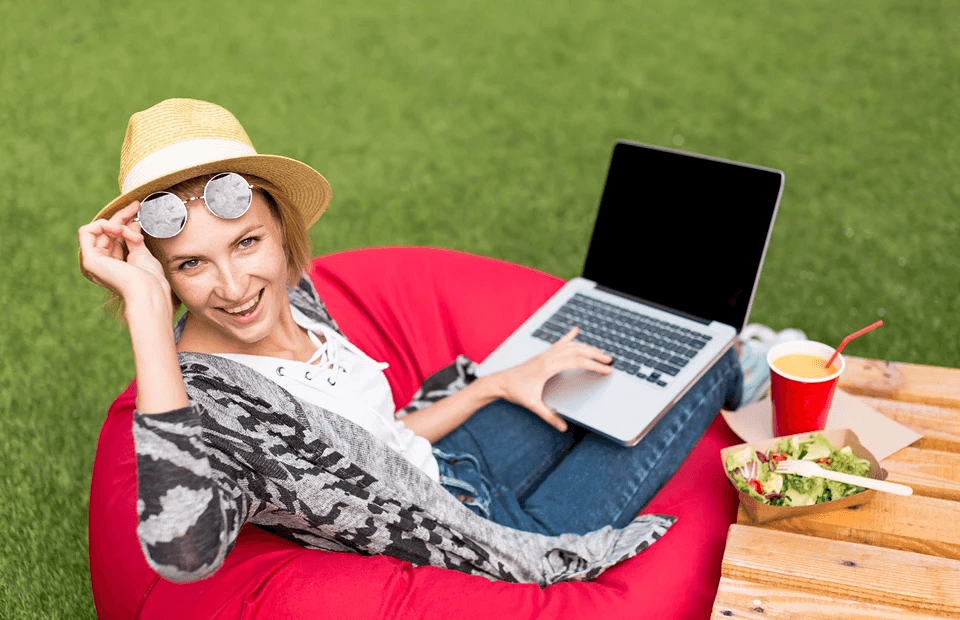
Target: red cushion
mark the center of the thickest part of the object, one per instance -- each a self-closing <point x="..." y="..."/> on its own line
<point x="416" y="308"/>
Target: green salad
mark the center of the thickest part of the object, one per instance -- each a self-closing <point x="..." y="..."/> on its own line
<point x="754" y="472"/>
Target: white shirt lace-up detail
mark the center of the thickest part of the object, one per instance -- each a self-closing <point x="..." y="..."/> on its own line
<point x="342" y="379"/>
<point x="327" y="359"/>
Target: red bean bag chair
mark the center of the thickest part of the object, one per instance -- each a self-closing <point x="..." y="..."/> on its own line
<point x="416" y="308"/>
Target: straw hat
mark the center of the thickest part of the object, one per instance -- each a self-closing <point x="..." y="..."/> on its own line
<point x="179" y="139"/>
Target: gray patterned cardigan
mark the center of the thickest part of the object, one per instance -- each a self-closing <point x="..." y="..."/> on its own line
<point x="246" y="450"/>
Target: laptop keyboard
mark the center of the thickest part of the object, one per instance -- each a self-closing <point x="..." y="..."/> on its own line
<point x="640" y="345"/>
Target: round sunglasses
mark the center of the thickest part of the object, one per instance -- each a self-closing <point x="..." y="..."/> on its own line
<point x="163" y="215"/>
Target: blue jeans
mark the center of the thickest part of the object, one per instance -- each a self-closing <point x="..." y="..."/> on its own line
<point x="508" y="465"/>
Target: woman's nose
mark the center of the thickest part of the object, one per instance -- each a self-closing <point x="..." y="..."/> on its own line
<point x="232" y="283"/>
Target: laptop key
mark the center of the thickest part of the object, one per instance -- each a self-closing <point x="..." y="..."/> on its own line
<point x="641" y="345"/>
<point x="667" y="369"/>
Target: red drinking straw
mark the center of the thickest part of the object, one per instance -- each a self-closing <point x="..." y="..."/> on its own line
<point x="855" y="334"/>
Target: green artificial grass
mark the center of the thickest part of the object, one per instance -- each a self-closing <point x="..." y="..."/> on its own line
<point x="480" y="126"/>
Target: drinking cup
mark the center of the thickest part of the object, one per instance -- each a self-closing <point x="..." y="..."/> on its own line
<point x="801" y="403"/>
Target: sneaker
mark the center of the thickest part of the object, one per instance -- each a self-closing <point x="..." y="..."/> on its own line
<point x="762" y="338"/>
<point x="755" y="341"/>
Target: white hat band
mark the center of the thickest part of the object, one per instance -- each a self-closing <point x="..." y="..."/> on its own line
<point x="183" y="155"/>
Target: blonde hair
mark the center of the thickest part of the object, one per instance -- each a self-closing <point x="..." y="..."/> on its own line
<point x="296" y="243"/>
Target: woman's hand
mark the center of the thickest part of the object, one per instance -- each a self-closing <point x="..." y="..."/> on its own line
<point x="113" y="255"/>
<point x="524" y="384"/>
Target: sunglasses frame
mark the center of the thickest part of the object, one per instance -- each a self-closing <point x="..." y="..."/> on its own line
<point x="182" y="209"/>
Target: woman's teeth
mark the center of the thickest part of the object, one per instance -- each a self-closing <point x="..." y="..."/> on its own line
<point x="247" y="306"/>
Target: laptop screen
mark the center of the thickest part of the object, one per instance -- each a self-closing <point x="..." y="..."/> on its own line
<point x="684" y="231"/>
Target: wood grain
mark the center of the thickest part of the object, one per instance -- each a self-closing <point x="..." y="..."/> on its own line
<point x="920" y="524"/>
<point x="932" y="385"/>
<point x="745" y="599"/>
<point x="940" y="426"/>
<point x="932" y="473"/>
<point x="841" y="572"/>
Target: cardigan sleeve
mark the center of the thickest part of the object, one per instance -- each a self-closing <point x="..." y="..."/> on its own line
<point x="189" y="513"/>
<point x="445" y="382"/>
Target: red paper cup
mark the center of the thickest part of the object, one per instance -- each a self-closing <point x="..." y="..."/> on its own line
<point x="801" y="404"/>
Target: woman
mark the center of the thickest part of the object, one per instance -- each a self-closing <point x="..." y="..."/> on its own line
<point x="254" y="407"/>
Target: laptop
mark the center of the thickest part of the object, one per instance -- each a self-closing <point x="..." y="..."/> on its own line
<point x="669" y="278"/>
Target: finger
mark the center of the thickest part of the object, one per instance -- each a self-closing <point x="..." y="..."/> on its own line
<point x="550" y="417"/>
<point x="568" y="337"/>
<point x="127" y="213"/>
<point x="593" y="352"/>
<point x="131" y="232"/>
<point x="602" y="364"/>
<point x="93" y="236"/>
<point x="137" y="250"/>
<point x="105" y="227"/>
<point x="87" y="234"/>
<point x="603" y="368"/>
<point x="113" y="234"/>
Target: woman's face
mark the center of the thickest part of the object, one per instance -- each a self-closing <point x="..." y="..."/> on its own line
<point x="230" y="274"/>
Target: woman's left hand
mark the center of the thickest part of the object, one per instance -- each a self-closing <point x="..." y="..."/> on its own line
<point x="524" y="384"/>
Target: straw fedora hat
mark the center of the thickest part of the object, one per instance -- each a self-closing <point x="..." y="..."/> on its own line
<point x="179" y="139"/>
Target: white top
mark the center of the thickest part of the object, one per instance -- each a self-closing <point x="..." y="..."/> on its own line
<point x="342" y="379"/>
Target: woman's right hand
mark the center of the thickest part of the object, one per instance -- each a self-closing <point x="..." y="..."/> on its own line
<point x="113" y="255"/>
<point x="524" y="384"/>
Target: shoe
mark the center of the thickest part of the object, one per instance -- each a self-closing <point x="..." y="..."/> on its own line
<point x="756" y="374"/>
<point x="755" y="341"/>
<point x="762" y="338"/>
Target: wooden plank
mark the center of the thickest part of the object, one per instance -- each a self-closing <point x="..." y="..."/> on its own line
<point x="744" y="599"/>
<point x="932" y="385"/>
<point x="940" y="426"/>
<point x="931" y="473"/>
<point x="842" y="571"/>
<point x="920" y="524"/>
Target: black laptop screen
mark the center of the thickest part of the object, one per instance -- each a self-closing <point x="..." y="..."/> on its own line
<point x="683" y="231"/>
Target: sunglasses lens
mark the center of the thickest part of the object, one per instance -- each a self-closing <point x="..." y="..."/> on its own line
<point x="228" y="195"/>
<point x="162" y="215"/>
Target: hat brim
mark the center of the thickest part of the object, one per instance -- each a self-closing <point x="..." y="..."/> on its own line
<point x="304" y="187"/>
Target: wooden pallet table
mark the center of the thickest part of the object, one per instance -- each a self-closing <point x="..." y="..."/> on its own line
<point x="894" y="557"/>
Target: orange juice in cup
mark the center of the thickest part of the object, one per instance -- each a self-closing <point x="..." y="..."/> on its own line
<point x="801" y="385"/>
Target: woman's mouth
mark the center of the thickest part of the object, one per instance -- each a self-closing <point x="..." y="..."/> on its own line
<point x="247" y="311"/>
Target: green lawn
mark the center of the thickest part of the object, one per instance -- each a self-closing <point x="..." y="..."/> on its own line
<point x="482" y="126"/>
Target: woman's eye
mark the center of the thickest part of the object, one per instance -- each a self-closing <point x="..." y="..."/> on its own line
<point x="189" y="264"/>
<point x="246" y="243"/>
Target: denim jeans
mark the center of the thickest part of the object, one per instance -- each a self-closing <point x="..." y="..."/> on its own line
<point x="508" y="465"/>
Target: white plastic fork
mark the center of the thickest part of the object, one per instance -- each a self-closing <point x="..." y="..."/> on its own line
<point x="809" y="468"/>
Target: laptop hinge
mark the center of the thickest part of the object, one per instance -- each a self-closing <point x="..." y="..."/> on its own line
<point x="607" y="289"/>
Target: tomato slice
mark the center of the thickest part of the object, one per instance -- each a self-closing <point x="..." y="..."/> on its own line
<point x="755" y="485"/>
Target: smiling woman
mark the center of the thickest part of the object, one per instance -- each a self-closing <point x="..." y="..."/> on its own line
<point x="256" y="408"/>
<point x="232" y="276"/>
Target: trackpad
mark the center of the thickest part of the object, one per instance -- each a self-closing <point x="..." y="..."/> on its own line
<point x="570" y="390"/>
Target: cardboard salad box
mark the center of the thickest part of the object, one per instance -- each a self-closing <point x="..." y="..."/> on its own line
<point x="838" y="438"/>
